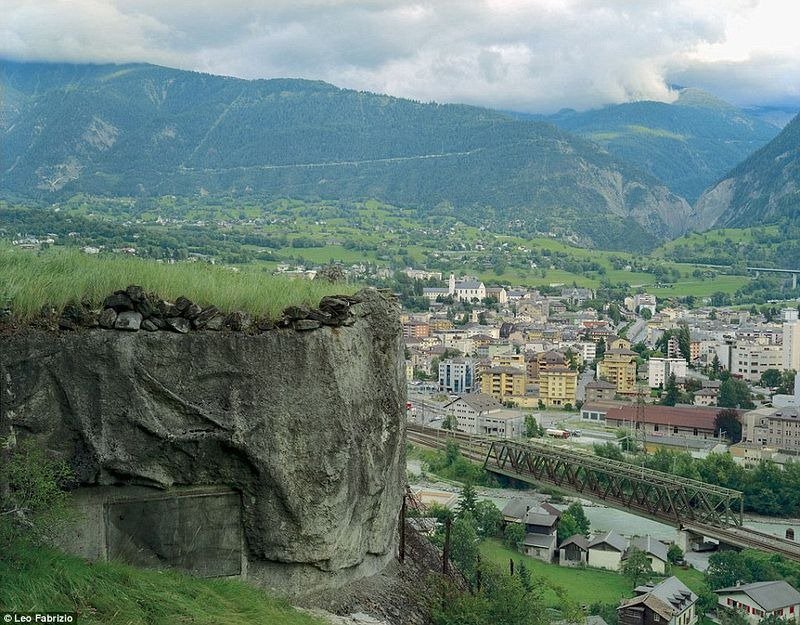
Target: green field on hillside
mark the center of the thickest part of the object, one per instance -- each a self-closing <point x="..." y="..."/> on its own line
<point x="41" y="579"/>
<point x="582" y="585"/>
<point x="701" y="288"/>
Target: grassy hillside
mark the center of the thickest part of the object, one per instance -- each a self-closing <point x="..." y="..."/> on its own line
<point x="41" y="579"/>
<point x="584" y="586"/>
<point x="256" y="236"/>
<point x="58" y="277"/>
<point x="762" y="246"/>
<point x="145" y="131"/>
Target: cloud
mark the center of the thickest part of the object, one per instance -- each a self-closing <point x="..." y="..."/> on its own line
<point x="529" y="55"/>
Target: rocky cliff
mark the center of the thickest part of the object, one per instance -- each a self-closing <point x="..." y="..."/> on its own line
<point x="306" y="427"/>
<point x="763" y="189"/>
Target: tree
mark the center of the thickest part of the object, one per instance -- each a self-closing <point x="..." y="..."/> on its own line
<point x="626" y="439"/>
<point x="451" y="452"/>
<point x="734" y="393"/>
<point x="771" y="378"/>
<point x="608" y="450"/>
<point x="671" y="392"/>
<point x="449" y="422"/>
<point x="502" y="600"/>
<point x="608" y="611"/>
<point x="513" y="535"/>
<point x="729" y="616"/>
<point x="646" y="314"/>
<point x="600" y="350"/>
<point x="575" y="510"/>
<point x="786" y="385"/>
<point x="467" y="501"/>
<point x="727" y="568"/>
<point x="674" y="553"/>
<point x="532" y="427"/>
<point x="685" y="341"/>
<point x="727" y="421"/>
<point x="716" y="367"/>
<point x="488" y="518"/>
<point x="464" y="544"/>
<point x="774" y="619"/>
<point x="567" y="526"/>
<point x="439" y="512"/>
<point x="637" y="567"/>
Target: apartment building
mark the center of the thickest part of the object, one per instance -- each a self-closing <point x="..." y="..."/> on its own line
<point x="457" y="375"/>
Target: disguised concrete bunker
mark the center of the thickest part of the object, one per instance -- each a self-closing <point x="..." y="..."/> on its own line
<point x="277" y="456"/>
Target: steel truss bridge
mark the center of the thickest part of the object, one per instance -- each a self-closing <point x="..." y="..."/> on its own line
<point x="652" y="493"/>
<point x="698" y="508"/>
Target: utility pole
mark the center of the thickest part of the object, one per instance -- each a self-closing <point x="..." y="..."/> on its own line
<point x="403" y="529"/>
<point x="640" y="405"/>
<point x="446" y="549"/>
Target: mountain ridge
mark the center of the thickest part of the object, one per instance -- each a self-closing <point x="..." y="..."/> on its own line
<point x="688" y="144"/>
<point x="144" y="130"/>
<point x="763" y="189"/>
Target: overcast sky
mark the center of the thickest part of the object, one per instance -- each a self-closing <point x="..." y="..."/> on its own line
<point x="526" y="55"/>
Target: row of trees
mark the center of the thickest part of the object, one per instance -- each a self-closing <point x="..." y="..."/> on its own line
<point x="767" y="489"/>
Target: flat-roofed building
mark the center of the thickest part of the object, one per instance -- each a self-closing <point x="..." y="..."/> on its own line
<point x="482" y="414"/>
<point x="558" y="386"/>
<point x="749" y="359"/>
<point x="503" y="382"/>
<point x="659" y="370"/>
<point x="457" y="375"/>
<point x="618" y="366"/>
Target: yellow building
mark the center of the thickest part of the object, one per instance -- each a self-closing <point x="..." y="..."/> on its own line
<point x="508" y="360"/>
<point x="440" y="324"/>
<point x="618" y="343"/>
<point x="503" y="382"/>
<point x="618" y="366"/>
<point x="558" y="386"/>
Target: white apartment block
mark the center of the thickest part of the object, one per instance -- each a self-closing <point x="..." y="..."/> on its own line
<point x="482" y="414"/>
<point x="791" y="344"/>
<point x="457" y="376"/>
<point x="587" y="350"/>
<point x="750" y="359"/>
<point x="659" y="370"/>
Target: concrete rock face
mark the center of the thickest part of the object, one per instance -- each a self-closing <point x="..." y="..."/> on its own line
<point x="308" y="426"/>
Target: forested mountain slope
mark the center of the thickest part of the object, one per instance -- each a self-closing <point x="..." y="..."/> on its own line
<point x="764" y="189"/>
<point x="143" y="130"/>
<point x="688" y="144"/>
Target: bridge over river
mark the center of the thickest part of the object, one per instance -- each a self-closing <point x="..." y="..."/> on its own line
<point x="696" y="508"/>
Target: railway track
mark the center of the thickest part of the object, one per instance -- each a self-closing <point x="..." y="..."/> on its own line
<point x="475" y="449"/>
<point x="471" y="447"/>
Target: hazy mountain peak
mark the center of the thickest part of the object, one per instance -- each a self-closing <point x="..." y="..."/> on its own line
<point x="690" y="96"/>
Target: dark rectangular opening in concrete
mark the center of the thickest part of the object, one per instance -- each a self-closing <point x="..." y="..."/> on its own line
<point x="197" y="532"/>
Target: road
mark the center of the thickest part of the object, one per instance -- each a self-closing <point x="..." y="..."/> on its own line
<point x="638" y="331"/>
<point x="426" y="411"/>
<point x="584" y="379"/>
